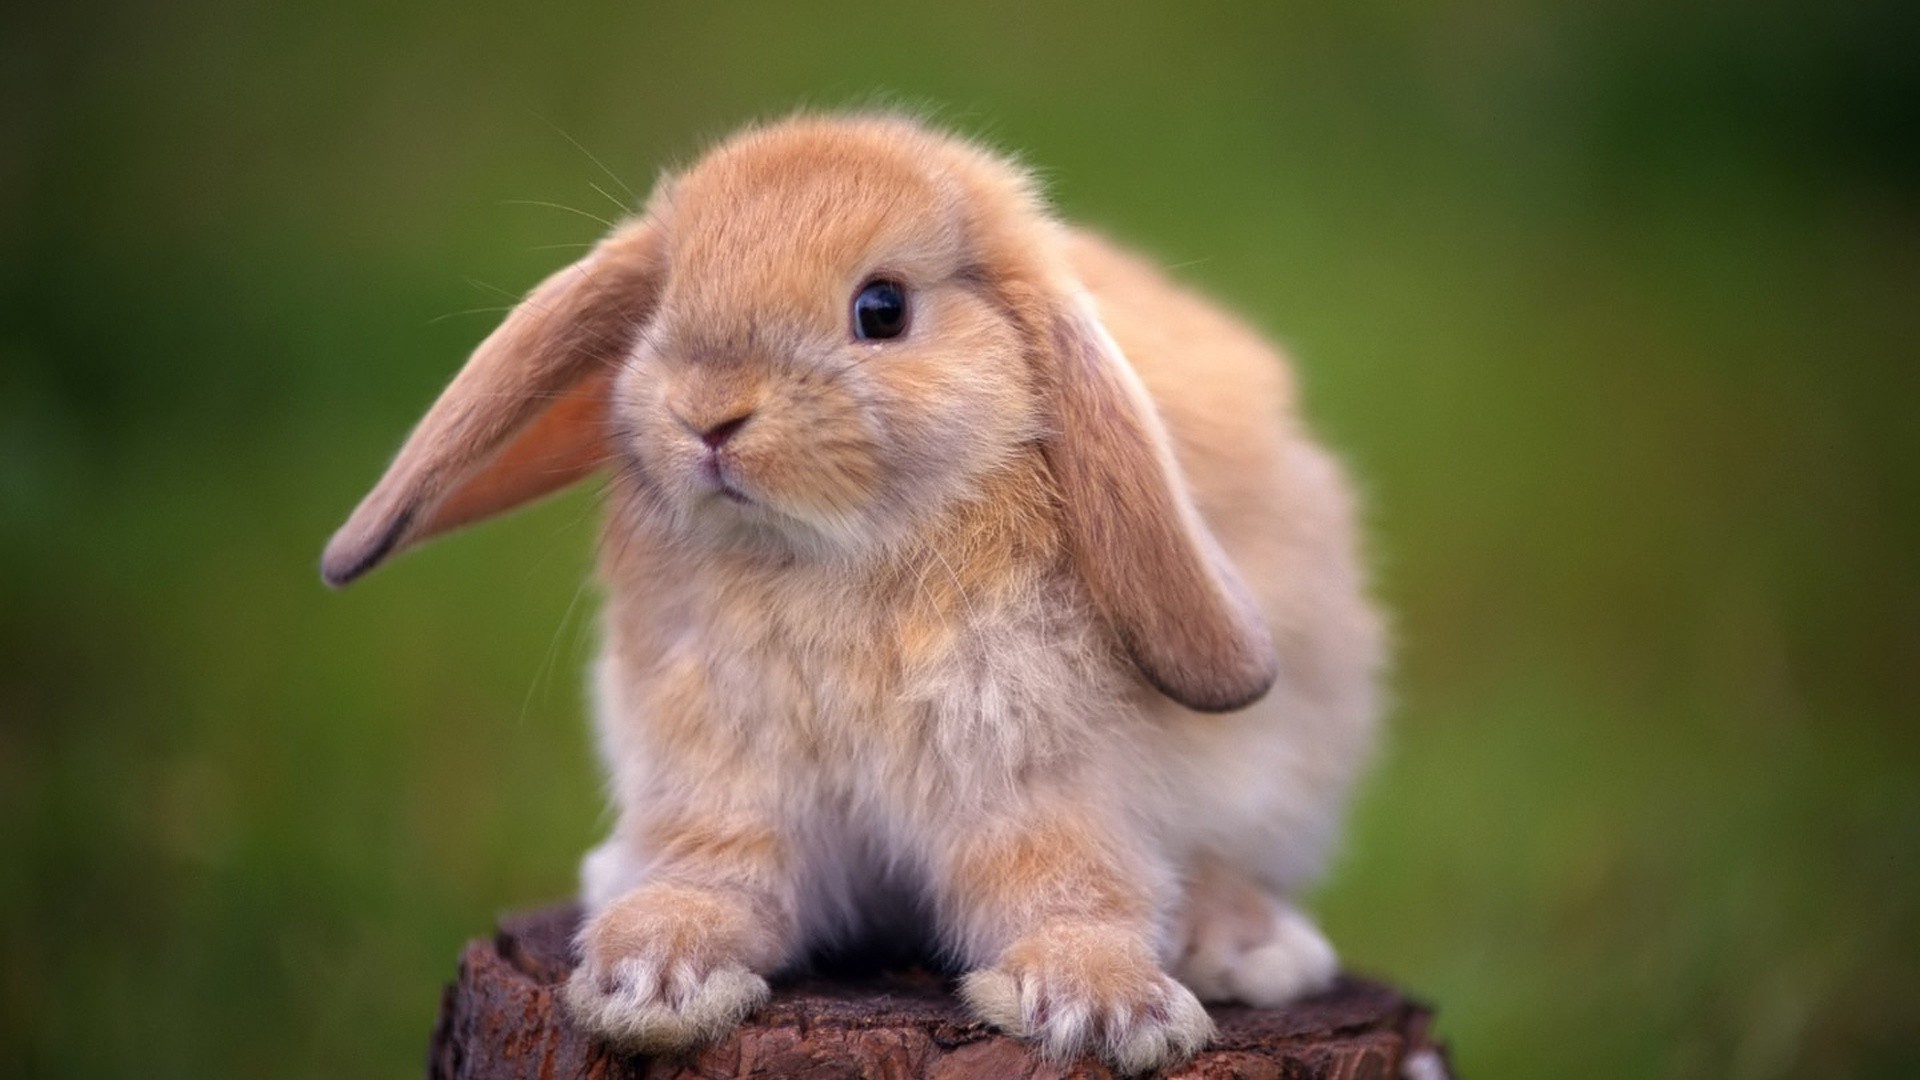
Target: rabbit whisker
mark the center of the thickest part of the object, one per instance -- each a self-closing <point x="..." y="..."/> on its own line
<point x="560" y="206"/>
<point x="611" y="175"/>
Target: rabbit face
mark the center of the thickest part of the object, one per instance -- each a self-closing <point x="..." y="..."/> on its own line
<point x="758" y="407"/>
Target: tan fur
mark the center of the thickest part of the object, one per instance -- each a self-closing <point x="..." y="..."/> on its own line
<point x="936" y="619"/>
<point x="1044" y="870"/>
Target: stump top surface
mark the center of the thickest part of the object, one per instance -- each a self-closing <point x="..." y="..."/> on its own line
<point x="503" y="1018"/>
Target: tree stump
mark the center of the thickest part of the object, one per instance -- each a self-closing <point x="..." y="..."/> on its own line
<point x="502" y="1017"/>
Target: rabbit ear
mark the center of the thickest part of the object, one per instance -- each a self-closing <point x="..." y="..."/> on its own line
<point x="1155" y="571"/>
<point x="525" y="416"/>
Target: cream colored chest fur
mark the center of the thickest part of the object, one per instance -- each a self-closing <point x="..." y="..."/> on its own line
<point x="926" y="696"/>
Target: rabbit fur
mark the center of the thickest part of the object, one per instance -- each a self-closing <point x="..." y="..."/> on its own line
<point x="1043" y="622"/>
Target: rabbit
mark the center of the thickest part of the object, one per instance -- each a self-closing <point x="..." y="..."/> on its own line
<point x="956" y="563"/>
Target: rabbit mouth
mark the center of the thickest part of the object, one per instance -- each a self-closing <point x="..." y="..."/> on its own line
<point x="715" y="475"/>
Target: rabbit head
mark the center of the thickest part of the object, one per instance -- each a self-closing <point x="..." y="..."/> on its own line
<point x="811" y="341"/>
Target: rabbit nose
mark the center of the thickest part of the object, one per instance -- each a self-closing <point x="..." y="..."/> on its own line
<point x="717" y="435"/>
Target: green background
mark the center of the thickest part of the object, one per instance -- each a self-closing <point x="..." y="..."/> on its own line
<point x="1611" y="305"/>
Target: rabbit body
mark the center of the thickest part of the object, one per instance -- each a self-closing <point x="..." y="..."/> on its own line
<point x="867" y="651"/>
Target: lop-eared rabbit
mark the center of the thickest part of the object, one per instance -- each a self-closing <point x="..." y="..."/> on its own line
<point x="956" y="562"/>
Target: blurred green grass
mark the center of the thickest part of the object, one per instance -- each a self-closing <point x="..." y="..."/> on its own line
<point x="1612" y="306"/>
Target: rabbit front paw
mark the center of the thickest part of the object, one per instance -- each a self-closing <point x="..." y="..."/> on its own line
<point x="663" y="969"/>
<point x="1098" y="989"/>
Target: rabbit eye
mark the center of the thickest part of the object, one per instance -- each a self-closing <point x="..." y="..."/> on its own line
<point x="880" y="310"/>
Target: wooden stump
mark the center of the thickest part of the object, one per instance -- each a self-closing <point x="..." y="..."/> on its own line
<point x="502" y="1018"/>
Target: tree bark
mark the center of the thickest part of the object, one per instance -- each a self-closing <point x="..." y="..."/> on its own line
<point x="502" y="1018"/>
